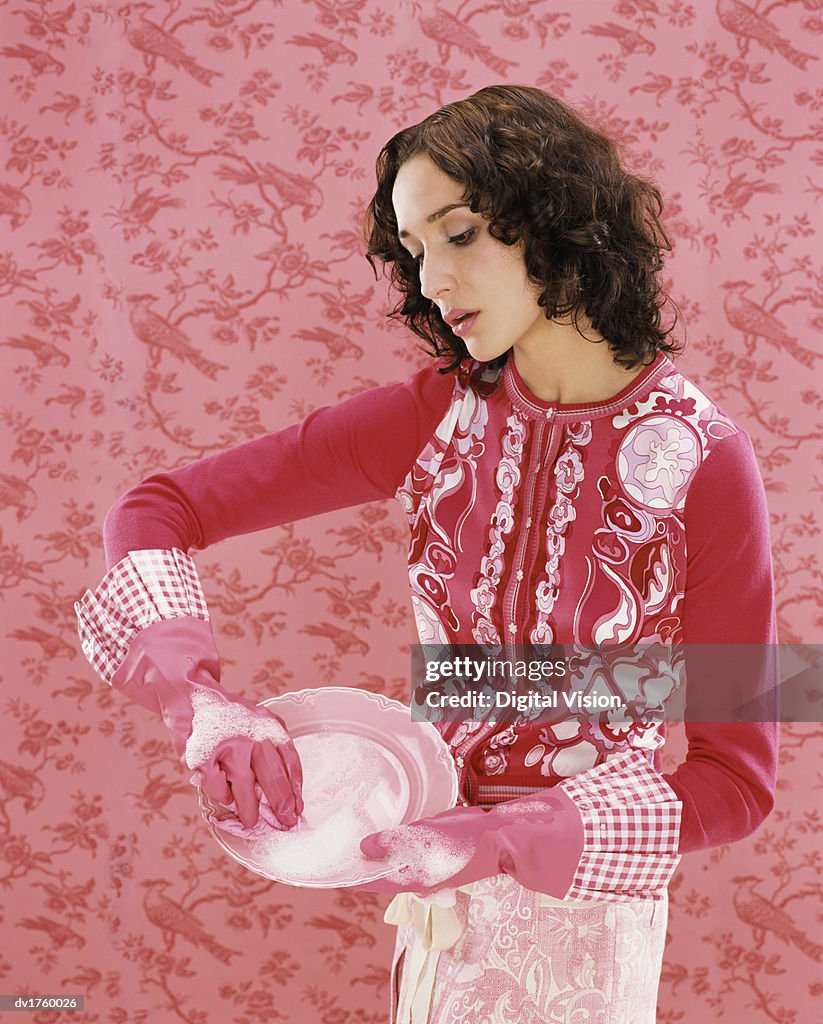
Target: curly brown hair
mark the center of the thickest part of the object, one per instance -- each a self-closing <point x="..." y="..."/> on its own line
<point x="539" y="173"/>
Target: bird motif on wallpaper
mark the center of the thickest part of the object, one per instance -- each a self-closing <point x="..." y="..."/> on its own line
<point x="655" y="85"/>
<point x="449" y="31"/>
<point x="338" y="346"/>
<point x="60" y="934"/>
<point x="738" y="191"/>
<point x="40" y="62"/>
<point x="160" y="335"/>
<point x="144" y="208"/>
<point x="153" y="41"/>
<point x="755" y="322"/>
<point x="345" y="641"/>
<point x="352" y="934"/>
<point x="763" y="916"/>
<point x="51" y="646"/>
<point x="630" y="41"/>
<point x="72" y="397"/>
<point x="15" y="205"/>
<point x="19" y="783"/>
<point x="156" y="794"/>
<point x="16" y="493"/>
<point x="333" y="51"/>
<point x="173" y="919"/>
<point x="44" y="352"/>
<point x="747" y="24"/>
<point x="293" y="189"/>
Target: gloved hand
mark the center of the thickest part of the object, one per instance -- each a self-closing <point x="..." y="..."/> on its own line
<point x="610" y="832"/>
<point x="537" y="839"/>
<point x="172" y="667"/>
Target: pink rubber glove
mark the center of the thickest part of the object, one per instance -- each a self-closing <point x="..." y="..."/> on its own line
<point x="537" y="839"/>
<point x="172" y="668"/>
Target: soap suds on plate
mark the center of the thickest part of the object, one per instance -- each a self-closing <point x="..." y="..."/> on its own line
<point x="346" y="797"/>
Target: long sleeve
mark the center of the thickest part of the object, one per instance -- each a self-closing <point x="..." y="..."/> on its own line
<point x="339" y="456"/>
<point x="343" y="455"/>
<point x="726" y="784"/>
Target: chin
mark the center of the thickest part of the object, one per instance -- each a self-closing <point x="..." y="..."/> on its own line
<point x="485" y="353"/>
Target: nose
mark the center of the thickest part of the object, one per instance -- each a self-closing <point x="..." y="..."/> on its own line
<point x="436" y="277"/>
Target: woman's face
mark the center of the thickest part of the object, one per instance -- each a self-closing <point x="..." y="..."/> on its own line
<point x="462" y="266"/>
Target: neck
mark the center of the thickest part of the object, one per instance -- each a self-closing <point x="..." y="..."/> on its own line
<point x="561" y="366"/>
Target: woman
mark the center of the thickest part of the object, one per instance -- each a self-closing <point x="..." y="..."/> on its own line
<point x="564" y="484"/>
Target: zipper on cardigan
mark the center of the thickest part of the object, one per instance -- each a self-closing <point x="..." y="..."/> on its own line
<point x="510" y="626"/>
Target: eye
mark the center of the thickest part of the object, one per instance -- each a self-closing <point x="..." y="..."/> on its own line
<point x="461" y="239"/>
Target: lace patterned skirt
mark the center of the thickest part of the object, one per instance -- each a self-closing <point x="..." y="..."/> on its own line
<point x="502" y="954"/>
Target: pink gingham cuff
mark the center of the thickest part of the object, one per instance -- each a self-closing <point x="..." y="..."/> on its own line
<point x="631" y="818"/>
<point x="144" y="587"/>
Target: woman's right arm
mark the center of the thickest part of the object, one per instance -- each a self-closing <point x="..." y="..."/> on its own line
<point x="339" y="456"/>
<point x="145" y="629"/>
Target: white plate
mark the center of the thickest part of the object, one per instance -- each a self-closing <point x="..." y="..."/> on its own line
<point x="366" y="767"/>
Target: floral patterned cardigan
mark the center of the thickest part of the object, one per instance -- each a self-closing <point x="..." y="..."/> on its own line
<point x="641" y="519"/>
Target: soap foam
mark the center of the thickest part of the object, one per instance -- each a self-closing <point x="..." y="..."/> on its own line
<point x="217" y="718"/>
<point x="306" y="853"/>
<point x="526" y="810"/>
<point x="423" y="856"/>
<point x="346" y="798"/>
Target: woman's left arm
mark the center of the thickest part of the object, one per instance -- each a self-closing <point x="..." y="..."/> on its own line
<point x="726" y="783"/>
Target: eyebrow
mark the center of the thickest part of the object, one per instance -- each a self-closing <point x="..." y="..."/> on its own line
<point x="432" y="217"/>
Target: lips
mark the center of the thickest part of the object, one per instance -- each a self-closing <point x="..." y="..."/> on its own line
<point x="454" y="315"/>
<point x="461" y="320"/>
<point x="465" y="325"/>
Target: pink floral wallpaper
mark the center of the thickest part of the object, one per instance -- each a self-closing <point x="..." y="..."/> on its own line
<point x="181" y="186"/>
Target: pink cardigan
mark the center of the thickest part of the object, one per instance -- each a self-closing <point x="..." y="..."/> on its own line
<point x="635" y="519"/>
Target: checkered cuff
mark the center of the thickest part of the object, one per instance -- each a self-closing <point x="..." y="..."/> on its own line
<point x="631" y="818"/>
<point x="144" y="587"/>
